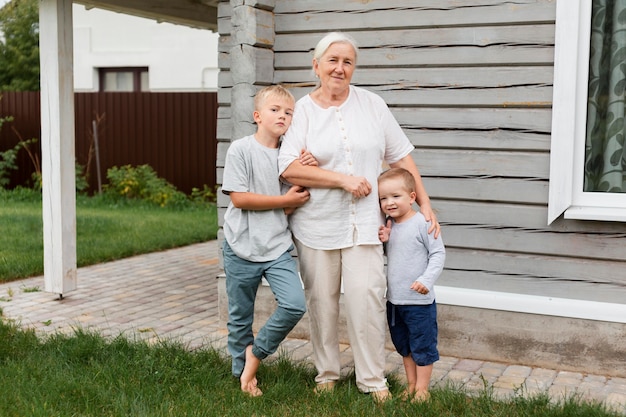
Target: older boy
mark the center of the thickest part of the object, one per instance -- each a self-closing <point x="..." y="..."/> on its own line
<point x="257" y="239"/>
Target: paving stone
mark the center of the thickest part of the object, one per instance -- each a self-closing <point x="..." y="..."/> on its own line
<point x="517" y="371"/>
<point x="476" y="384"/>
<point x="438" y="374"/>
<point x="510" y="382"/>
<point x="567" y="375"/>
<point x="595" y="379"/>
<point x="617" y="402"/>
<point x="459" y="376"/>
<point x="561" y="392"/>
<point x="468" y="365"/>
<point x="544" y="373"/>
<point x="503" y="394"/>
<point x="538" y="383"/>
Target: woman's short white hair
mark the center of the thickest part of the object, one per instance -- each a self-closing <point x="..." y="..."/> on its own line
<point x="329" y="39"/>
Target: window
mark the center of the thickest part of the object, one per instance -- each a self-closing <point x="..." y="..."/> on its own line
<point x="569" y="121"/>
<point x="124" y="79"/>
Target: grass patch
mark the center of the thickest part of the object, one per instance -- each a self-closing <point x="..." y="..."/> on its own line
<point x="105" y="230"/>
<point x="84" y="374"/>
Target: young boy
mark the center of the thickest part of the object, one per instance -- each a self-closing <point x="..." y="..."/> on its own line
<point x="415" y="260"/>
<point x="257" y="239"/>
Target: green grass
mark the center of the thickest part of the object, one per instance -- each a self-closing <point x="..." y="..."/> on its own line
<point x="105" y="230"/>
<point x="84" y="374"/>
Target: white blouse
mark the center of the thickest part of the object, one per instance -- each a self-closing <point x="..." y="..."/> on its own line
<point x="353" y="138"/>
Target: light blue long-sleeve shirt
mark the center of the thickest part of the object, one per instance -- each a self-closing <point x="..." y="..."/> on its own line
<point x="413" y="255"/>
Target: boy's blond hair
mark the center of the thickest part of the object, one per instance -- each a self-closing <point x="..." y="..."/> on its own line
<point x="269" y="91"/>
<point x="401" y="173"/>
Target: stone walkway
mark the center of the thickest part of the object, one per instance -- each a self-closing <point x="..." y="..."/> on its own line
<point x="173" y="295"/>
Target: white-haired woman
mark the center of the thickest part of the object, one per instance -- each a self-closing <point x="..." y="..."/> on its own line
<point x="351" y="132"/>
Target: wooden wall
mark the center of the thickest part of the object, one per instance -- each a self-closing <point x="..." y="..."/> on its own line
<point x="470" y="81"/>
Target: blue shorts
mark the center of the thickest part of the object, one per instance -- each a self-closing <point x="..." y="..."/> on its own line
<point x="413" y="330"/>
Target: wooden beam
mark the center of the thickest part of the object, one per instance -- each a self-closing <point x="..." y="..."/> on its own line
<point x="57" y="145"/>
<point x="183" y="12"/>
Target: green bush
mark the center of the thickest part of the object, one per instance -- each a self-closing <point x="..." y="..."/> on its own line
<point x="205" y="195"/>
<point x="142" y="183"/>
<point x="8" y="164"/>
<point x="7" y="158"/>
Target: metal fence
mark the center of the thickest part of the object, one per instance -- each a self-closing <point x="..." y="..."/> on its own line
<point x="174" y="133"/>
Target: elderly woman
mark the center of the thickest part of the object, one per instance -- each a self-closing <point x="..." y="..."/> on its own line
<point x="352" y="133"/>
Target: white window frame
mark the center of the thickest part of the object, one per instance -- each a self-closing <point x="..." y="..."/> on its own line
<point x="569" y="119"/>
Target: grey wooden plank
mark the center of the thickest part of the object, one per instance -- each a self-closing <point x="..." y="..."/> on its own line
<point x="533" y="120"/>
<point x="357" y="15"/>
<point x="483" y="213"/>
<point x="474" y="163"/>
<point x="441" y="77"/>
<point x="414" y="39"/>
<point x="485" y="189"/>
<point x="224" y="129"/>
<point x="495" y="139"/>
<point x="290" y="6"/>
<point x="404" y="95"/>
<point x="511" y="97"/>
<point x="540" y="267"/>
<point x="591" y="246"/>
<point x="471" y="98"/>
<point x="224" y="96"/>
<point x="222" y="148"/>
<point x="220" y="216"/>
<point x="492" y="213"/>
<point x="576" y="290"/>
<point x="526" y="120"/>
<point x="433" y="56"/>
<point x="223" y="112"/>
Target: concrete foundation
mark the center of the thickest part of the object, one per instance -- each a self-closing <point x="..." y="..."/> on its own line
<point x="585" y="346"/>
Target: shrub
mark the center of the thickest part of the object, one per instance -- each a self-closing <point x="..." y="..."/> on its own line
<point x="7" y="164"/>
<point x="205" y="195"/>
<point x="142" y="183"/>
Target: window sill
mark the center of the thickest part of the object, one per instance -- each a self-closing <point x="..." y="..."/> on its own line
<point x="595" y="213"/>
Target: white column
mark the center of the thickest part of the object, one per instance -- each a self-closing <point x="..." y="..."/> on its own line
<point x="57" y="145"/>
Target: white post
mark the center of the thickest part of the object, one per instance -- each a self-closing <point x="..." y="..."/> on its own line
<point x="57" y="145"/>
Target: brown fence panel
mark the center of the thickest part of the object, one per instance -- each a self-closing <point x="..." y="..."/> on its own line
<point x="174" y="133"/>
<point x="24" y="107"/>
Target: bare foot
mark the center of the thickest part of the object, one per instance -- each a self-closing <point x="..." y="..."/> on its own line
<point x="421" y="396"/>
<point x="324" y="387"/>
<point x="248" y="376"/>
<point x="381" y="396"/>
<point x="407" y="394"/>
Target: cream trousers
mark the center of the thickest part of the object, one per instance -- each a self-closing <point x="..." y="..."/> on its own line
<point x="364" y="284"/>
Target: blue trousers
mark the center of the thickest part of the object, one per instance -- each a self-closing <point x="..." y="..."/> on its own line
<point x="242" y="281"/>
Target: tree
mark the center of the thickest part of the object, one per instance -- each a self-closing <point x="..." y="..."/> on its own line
<point x="19" y="46"/>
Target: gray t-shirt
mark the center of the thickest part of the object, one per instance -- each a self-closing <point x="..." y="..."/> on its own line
<point x="413" y="254"/>
<point x="254" y="235"/>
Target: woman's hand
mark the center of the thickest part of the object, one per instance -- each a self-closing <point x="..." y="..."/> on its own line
<point x="357" y="186"/>
<point x="430" y="217"/>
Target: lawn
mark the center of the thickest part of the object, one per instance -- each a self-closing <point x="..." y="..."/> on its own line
<point x="105" y="230"/>
<point x="84" y="374"/>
